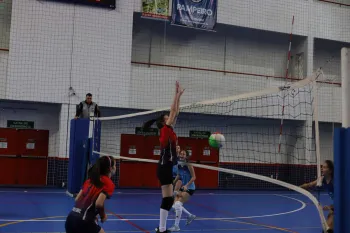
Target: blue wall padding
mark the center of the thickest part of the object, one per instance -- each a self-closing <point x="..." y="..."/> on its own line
<point x="341" y="180"/>
<point x="79" y="132"/>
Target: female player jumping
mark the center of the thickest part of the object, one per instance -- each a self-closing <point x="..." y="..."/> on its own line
<point x="185" y="184"/>
<point x="327" y="183"/>
<point x="89" y="203"/>
<point x="168" y="157"/>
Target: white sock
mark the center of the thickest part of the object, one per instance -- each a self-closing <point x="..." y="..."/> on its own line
<point x="162" y="220"/>
<point x="178" y="209"/>
<point x="186" y="211"/>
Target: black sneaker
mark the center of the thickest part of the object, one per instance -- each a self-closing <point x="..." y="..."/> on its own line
<point x="166" y="231"/>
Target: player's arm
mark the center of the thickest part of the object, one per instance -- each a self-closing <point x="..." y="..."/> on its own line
<point x="177" y="110"/>
<point x="97" y="111"/>
<point x="100" y="206"/>
<point x="309" y="185"/>
<point x="174" y="105"/>
<point x="176" y="179"/>
<point x="79" y="110"/>
<point x="193" y="176"/>
<point x="79" y="195"/>
<point x="106" y="193"/>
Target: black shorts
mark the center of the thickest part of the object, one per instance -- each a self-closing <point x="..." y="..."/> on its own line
<point x="75" y="224"/>
<point x="165" y="174"/>
<point x="189" y="191"/>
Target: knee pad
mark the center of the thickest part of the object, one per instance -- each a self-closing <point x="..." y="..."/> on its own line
<point x="178" y="205"/>
<point x="167" y="203"/>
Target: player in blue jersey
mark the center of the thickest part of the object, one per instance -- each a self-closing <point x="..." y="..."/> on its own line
<point x="178" y="150"/>
<point x="327" y="184"/>
<point x="184" y="189"/>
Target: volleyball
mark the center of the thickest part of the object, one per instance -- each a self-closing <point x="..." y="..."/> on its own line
<point x="216" y="140"/>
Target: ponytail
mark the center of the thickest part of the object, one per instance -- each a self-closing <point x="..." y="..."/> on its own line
<point x="94" y="174"/>
<point x="101" y="167"/>
<point x="148" y="124"/>
<point x="159" y="122"/>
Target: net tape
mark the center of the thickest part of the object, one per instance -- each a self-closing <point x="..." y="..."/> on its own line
<point x="267" y="91"/>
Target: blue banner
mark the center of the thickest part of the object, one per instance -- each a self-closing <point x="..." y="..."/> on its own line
<point x="199" y="14"/>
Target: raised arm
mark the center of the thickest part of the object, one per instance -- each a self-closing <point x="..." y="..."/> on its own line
<point x="175" y="105"/>
<point x="178" y="104"/>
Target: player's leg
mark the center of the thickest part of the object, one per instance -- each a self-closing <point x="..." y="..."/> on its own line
<point x="92" y="227"/>
<point x="190" y="217"/>
<point x="71" y="225"/>
<point x="330" y="221"/>
<point x="75" y="224"/>
<point x="183" y="197"/>
<point x="176" y="193"/>
<point x="165" y="177"/>
<point x="178" y="185"/>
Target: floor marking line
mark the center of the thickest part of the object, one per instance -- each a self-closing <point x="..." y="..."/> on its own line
<point x="20" y="221"/>
<point x="201" y="230"/>
<point x="261" y="225"/>
<point x="120" y="218"/>
<point x="251" y="221"/>
<point x="202" y="219"/>
<point x="129" y="222"/>
<point x="145" y="193"/>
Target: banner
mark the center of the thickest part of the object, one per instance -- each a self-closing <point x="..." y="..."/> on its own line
<point x="146" y="132"/>
<point x="157" y="9"/>
<point x="199" y="14"/>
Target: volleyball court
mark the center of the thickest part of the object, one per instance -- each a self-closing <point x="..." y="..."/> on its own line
<point x="242" y="83"/>
<point x="270" y="149"/>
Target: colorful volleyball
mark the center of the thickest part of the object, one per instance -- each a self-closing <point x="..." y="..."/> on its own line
<point x="216" y="140"/>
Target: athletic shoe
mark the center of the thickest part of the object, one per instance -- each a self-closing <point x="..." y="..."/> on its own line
<point x="190" y="219"/>
<point x="174" y="228"/>
<point x="166" y="231"/>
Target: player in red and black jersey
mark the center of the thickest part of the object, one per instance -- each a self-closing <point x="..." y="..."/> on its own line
<point x="168" y="143"/>
<point x="89" y="203"/>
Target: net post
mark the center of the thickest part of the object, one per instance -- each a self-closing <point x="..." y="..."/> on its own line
<point x="342" y="152"/>
<point x="91" y="125"/>
<point x="317" y="132"/>
<point x="345" y="84"/>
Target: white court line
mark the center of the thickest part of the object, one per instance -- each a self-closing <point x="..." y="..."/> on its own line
<point x="303" y="205"/>
<point x="197" y="194"/>
<point x="203" y="230"/>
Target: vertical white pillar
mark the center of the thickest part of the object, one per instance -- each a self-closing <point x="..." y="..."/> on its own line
<point x="345" y="84"/>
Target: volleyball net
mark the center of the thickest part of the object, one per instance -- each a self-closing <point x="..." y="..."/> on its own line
<point x="271" y="140"/>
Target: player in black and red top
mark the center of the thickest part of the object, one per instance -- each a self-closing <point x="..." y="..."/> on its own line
<point x="168" y="157"/>
<point x="89" y="203"/>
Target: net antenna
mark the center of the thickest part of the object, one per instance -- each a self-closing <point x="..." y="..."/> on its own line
<point x="247" y="104"/>
<point x="284" y="95"/>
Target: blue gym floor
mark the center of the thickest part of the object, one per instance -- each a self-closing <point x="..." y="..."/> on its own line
<point x="44" y="210"/>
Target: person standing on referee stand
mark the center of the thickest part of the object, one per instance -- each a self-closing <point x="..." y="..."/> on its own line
<point x="87" y="108"/>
